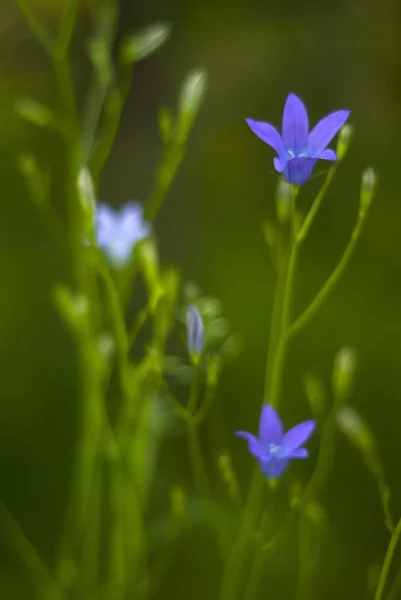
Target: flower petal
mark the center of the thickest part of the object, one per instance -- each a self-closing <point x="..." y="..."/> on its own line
<point x="296" y="436"/>
<point x="119" y="251"/>
<point x="268" y="134"/>
<point x="300" y="453"/>
<point x="295" y="125"/>
<point x="273" y="467"/>
<point x="279" y="164"/>
<point x="324" y="132"/>
<point x="132" y="224"/>
<point x="270" y="426"/>
<point x="253" y="442"/>
<point x="298" y="170"/>
<point x="106" y="220"/>
<point x="328" y="154"/>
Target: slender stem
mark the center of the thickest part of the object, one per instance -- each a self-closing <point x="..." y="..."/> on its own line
<point x="42" y="578"/>
<point x="67" y="27"/>
<point x="206" y="405"/>
<point x="41" y="34"/>
<point x="119" y="329"/>
<point x="105" y="29"/>
<point x="387" y="562"/>
<point x="307" y="224"/>
<point x="275" y="326"/>
<point x="194" y="391"/>
<point x="197" y="461"/>
<point x="117" y="575"/>
<point x="309" y="542"/>
<point x="233" y="573"/>
<point x="331" y="282"/>
<point x="260" y="558"/>
<point x="166" y="173"/>
<point x="116" y="100"/>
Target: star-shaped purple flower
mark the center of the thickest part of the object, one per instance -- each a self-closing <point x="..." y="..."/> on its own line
<point x="297" y="149"/>
<point x="117" y="232"/>
<point x="273" y="448"/>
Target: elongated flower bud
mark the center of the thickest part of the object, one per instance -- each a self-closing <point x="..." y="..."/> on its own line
<point x="195" y="333"/>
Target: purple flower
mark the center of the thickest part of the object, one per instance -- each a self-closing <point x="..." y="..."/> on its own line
<point x="298" y="149"/>
<point x="274" y="448"/>
<point x="117" y="232"/>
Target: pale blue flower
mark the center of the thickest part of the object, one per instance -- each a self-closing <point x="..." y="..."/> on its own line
<point x="118" y="231"/>
<point x="298" y="149"/>
<point x="274" y="449"/>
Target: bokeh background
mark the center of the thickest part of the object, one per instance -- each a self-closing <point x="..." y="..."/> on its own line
<point x="345" y="54"/>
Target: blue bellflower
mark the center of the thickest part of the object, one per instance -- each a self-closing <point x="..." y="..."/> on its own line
<point x="298" y="149"/>
<point x="274" y="449"/>
<point x="117" y="232"/>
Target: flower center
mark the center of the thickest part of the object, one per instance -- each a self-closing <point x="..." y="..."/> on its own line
<point x="274" y="451"/>
<point x="292" y="154"/>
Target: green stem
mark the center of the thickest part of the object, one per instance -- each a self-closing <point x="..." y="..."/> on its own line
<point x="105" y="29"/>
<point x="166" y="173"/>
<point x="41" y="34"/>
<point x="233" y="572"/>
<point x="117" y="575"/>
<point x="387" y="562"/>
<point x="331" y="282"/>
<point x="41" y="577"/>
<point x="310" y="531"/>
<point x="197" y="461"/>
<point x="67" y="27"/>
<point x="194" y="391"/>
<point x="307" y="224"/>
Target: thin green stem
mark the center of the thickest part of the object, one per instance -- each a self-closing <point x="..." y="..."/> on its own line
<point x="387" y="562"/>
<point x="194" y="391"/>
<point x="166" y="173"/>
<point x="198" y="462"/>
<point x="275" y="326"/>
<point x="234" y="568"/>
<point x="41" y="34"/>
<point x="117" y="97"/>
<point x="105" y="29"/>
<point x="117" y="575"/>
<point x="309" y="530"/>
<point x="203" y="410"/>
<point x="331" y="282"/>
<point x="119" y="328"/>
<point x="40" y="576"/>
<point x="307" y="224"/>
<point x="67" y="27"/>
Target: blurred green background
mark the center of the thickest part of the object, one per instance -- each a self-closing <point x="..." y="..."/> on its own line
<point x="334" y="55"/>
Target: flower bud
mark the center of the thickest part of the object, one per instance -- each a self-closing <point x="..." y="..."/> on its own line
<point x="344" y="139"/>
<point x="343" y="373"/>
<point x="86" y="195"/>
<point x="195" y="333"/>
<point x="368" y="187"/>
<point x="191" y="97"/>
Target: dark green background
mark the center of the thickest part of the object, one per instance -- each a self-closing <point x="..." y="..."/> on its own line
<point x="333" y="55"/>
